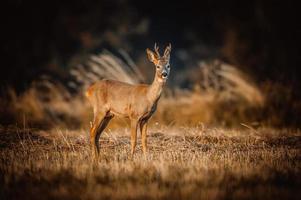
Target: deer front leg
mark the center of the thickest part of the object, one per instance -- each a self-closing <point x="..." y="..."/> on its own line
<point x="143" y="129"/>
<point x="134" y="124"/>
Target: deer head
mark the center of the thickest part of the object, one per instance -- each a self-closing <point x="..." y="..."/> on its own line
<point x="161" y="62"/>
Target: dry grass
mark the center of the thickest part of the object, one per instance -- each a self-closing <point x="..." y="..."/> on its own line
<point x="186" y="160"/>
<point x="183" y="163"/>
<point x="106" y="65"/>
<point x="226" y="82"/>
<point x="224" y="95"/>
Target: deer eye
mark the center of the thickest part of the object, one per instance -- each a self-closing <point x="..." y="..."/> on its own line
<point x="158" y="66"/>
<point x="168" y="66"/>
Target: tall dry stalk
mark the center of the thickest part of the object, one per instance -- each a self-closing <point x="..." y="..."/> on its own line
<point x="106" y="65"/>
<point x="228" y="82"/>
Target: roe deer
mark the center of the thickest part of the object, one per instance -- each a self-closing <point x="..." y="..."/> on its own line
<point x="137" y="102"/>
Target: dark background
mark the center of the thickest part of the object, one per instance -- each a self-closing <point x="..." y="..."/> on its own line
<point x="261" y="37"/>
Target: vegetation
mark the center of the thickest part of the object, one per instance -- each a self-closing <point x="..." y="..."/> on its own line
<point x="183" y="163"/>
<point x="48" y="103"/>
<point x="227" y="124"/>
<point x="49" y="155"/>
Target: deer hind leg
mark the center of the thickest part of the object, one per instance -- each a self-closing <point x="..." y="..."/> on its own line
<point x="93" y="132"/>
<point x="134" y="125"/>
<point x="143" y="129"/>
<point x="99" y="124"/>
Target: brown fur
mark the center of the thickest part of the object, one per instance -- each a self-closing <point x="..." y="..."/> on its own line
<point x="136" y="102"/>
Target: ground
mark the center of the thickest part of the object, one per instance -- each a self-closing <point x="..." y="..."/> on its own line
<point x="182" y="163"/>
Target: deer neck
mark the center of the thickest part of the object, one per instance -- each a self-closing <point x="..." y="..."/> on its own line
<point x="155" y="89"/>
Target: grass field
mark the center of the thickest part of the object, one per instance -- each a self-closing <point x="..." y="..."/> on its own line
<point x="183" y="163"/>
<point x="189" y="157"/>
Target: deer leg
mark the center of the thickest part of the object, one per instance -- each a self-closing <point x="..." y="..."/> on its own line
<point x="134" y="124"/>
<point x="101" y="128"/>
<point x="143" y="129"/>
<point x="100" y="123"/>
<point x="93" y="132"/>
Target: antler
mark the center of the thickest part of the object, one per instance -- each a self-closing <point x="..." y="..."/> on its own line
<point x="167" y="51"/>
<point x="157" y="50"/>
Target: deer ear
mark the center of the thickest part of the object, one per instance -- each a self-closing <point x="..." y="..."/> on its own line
<point x="167" y="52"/>
<point x="151" y="55"/>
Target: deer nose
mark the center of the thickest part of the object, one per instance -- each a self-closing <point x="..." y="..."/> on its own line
<point x="164" y="74"/>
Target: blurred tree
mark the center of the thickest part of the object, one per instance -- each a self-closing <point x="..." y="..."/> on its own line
<point x="262" y="37"/>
